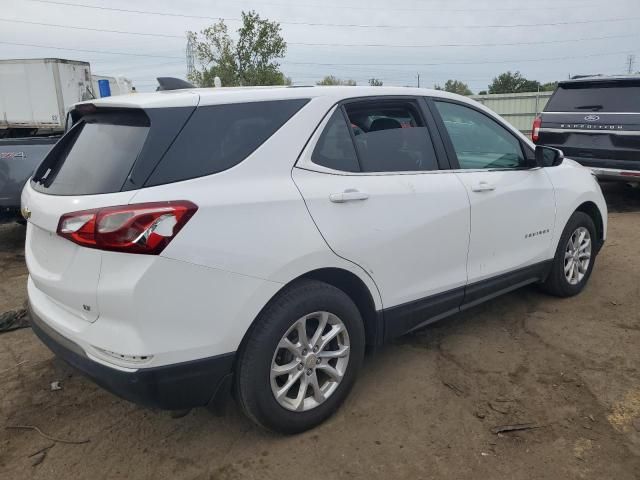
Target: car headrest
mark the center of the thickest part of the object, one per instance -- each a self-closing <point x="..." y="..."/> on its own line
<point x="384" y="124"/>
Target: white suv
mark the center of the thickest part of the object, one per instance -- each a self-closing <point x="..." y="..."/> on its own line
<point x="183" y="244"/>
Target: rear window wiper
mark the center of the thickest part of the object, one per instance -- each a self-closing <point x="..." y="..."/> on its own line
<point x="593" y="108"/>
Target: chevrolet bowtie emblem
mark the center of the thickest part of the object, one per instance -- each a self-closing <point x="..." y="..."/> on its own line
<point x="26" y="213"/>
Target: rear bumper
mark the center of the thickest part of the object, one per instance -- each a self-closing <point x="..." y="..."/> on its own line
<point x="606" y="163"/>
<point x="616" y="174"/>
<point x="179" y="386"/>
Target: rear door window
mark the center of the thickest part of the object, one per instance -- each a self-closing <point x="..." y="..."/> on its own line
<point x="218" y="137"/>
<point x="95" y="156"/>
<point x="391" y="136"/>
<point x="596" y="97"/>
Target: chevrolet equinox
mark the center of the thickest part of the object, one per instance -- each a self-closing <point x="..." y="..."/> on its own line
<point x="184" y="244"/>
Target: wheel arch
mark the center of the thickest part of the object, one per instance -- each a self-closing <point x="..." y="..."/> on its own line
<point x="358" y="291"/>
<point x="591" y="209"/>
<point x="353" y="286"/>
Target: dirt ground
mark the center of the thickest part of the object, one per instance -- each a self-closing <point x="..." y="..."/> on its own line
<point x="424" y="407"/>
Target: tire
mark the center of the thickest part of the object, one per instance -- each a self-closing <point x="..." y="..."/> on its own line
<point x="307" y="302"/>
<point x="558" y="283"/>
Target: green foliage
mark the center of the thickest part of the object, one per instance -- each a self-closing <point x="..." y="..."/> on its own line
<point x="455" y="86"/>
<point x="375" y="82"/>
<point x="331" y="80"/>
<point x="250" y="60"/>
<point x="548" y="87"/>
<point x="513" y="83"/>
<point x="482" y="92"/>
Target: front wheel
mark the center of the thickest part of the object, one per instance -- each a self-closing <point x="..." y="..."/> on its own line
<point x="574" y="259"/>
<point x="300" y="358"/>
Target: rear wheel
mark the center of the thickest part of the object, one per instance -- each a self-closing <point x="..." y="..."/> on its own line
<point x="574" y="257"/>
<point x="301" y="358"/>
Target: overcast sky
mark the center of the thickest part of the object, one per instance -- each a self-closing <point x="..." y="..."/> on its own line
<point x="469" y="40"/>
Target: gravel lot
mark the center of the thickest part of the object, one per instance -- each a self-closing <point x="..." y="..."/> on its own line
<point x="424" y="407"/>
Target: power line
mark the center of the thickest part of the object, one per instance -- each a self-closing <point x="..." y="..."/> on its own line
<point x="74" y="27"/>
<point x="486" y="62"/>
<point x="376" y="45"/>
<point x="126" y="10"/>
<point x="502" y="44"/>
<point x="101" y="65"/>
<point x="437" y="9"/>
<point x="348" y="25"/>
<point x="91" y="51"/>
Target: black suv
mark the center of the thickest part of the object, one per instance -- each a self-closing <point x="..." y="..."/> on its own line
<point x="596" y="122"/>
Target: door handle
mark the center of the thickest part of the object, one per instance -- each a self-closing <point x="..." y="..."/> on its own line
<point x="349" y="195"/>
<point x="483" y="187"/>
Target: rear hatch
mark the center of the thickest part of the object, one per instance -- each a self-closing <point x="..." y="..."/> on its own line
<point x="595" y="121"/>
<point x="101" y="162"/>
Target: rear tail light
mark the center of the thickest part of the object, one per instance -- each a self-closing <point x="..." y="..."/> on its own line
<point x="145" y="228"/>
<point x="535" y="129"/>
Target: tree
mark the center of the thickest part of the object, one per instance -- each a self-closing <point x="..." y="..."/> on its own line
<point x="455" y="86"/>
<point x="331" y="80"/>
<point x="250" y="60"/>
<point x="513" y="83"/>
<point x="374" y="82"/>
<point x="482" y="92"/>
<point x="548" y="87"/>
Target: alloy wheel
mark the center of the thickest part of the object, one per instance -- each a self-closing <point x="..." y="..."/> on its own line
<point x="310" y="361"/>
<point x="577" y="256"/>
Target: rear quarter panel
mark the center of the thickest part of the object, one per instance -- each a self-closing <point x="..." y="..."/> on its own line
<point x="251" y="218"/>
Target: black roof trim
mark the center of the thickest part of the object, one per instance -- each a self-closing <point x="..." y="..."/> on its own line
<point x="600" y="79"/>
<point x="171" y="83"/>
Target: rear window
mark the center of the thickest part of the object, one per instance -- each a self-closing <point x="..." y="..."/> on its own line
<point x="335" y="148"/>
<point x="596" y="97"/>
<point x="219" y="137"/>
<point x="95" y="156"/>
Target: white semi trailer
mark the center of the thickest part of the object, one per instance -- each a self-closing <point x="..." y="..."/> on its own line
<point x="36" y="93"/>
<point x="35" y="96"/>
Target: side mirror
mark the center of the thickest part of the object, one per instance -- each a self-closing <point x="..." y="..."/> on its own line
<point x="548" y="156"/>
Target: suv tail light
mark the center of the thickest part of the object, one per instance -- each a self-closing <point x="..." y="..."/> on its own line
<point x="535" y="129"/>
<point x="145" y="228"/>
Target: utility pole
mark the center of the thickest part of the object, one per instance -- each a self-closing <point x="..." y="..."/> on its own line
<point x="418" y="80"/>
<point x="631" y="62"/>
